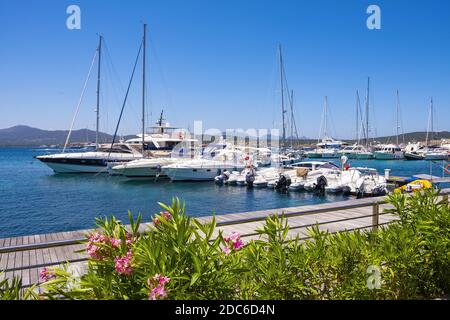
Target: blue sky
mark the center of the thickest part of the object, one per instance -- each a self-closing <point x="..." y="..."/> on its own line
<point x="216" y="61"/>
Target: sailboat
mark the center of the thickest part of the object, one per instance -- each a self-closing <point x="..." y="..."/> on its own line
<point x="157" y="145"/>
<point x="93" y="161"/>
<point x="327" y="147"/>
<point x="427" y="152"/>
<point x="357" y="151"/>
<point x="391" y="151"/>
<point x="284" y="156"/>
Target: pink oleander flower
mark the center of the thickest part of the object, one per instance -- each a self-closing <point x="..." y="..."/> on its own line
<point x="157" y="287"/>
<point x="115" y="243"/>
<point x="46" y="274"/>
<point x="129" y="238"/>
<point x="164" y="215"/>
<point x="93" y="248"/>
<point x="161" y="279"/>
<point x="238" y="244"/>
<point x="158" y="292"/>
<point x="123" y="264"/>
<point x="234" y="243"/>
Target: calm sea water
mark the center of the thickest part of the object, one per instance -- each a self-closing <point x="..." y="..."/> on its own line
<point x="33" y="200"/>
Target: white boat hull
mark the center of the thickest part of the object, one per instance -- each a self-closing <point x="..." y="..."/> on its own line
<point x="387" y="156"/>
<point x="76" y="168"/>
<point x="190" y="174"/>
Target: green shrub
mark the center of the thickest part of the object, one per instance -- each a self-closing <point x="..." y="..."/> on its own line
<point x="178" y="257"/>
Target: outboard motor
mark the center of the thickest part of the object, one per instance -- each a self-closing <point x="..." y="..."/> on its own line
<point x="250" y="177"/>
<point x="321" y="184"/>
<point x="283" y="182"/>
<point x="360" y="188"/>
<point x="158" y="172"/>
<point x="220" y="179"/>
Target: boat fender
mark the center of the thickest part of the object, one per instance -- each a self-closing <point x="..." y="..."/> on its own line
<point x="158" y="168"/>
<point x="447" y="168"/>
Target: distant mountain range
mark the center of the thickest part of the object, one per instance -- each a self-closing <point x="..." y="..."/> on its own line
<point x="28" y="136"/>
<point x="32" y="137"/>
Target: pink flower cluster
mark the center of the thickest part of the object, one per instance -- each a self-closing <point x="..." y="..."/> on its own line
<point x="234" y="242"/>
<point x="129" y="240"/>
<point x="123" y="264"/>
<point x="94" y="247"/>
<point x="157" y="287"/>
<point x="46" y="274"/>
<point x="165" y="215"/>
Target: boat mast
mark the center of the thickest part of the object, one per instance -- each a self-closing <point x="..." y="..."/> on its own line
<point x="292" y="116"/>
<point x="325" y="119"/>
<point x="367" y="112"/>
<point x="430" y="121"/>
<point x="143" y="88"/>
<point x="282" y="96"/>
<point x="398" y="108"/>
<point x="357" y="117"/>
<point x="98" y="90"/>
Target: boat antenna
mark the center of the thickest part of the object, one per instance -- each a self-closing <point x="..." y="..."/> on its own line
<point x="100" y="39"/>
<point x="144" y="43"/>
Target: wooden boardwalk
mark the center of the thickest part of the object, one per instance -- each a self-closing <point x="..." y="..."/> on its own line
<point x="25" y="256"/>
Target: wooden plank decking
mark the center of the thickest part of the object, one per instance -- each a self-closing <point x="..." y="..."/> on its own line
<point x="357" y="214"/>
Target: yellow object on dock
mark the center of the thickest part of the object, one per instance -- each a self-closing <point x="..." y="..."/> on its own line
<point x="414" y="186"/>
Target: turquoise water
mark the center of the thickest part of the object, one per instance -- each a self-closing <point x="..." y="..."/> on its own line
<point x="33" y="200"/>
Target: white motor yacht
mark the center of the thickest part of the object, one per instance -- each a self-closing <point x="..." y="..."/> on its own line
<point x="356" y="152"/>
<point x="388" y="152"/>
<point x="91" y="161"/>
<point x="370" y="183"/>
<point x="206" y="169"/>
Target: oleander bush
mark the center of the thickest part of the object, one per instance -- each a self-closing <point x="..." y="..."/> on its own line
<point x="178" y="257"/>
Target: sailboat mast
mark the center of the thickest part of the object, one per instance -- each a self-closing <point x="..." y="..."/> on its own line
<point x="367" y="112"/>
<point x="430" y="122"/>
<point x="357" y="118"/>
<point x="397" y="117"/>
<point x="282" y="96"/>
<point x="292" y="116"/>
<point x="325" y="119"/>
<point x="98" y="90"/>
<point x="143" y="87"/>
<point x="432" y="119"/>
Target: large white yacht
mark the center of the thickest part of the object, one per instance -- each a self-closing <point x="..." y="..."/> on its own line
<point x="207" y="169"/>
<point x="162" y="139"/>
<point x="164" y="145"/>
<point x="91" y="161"/>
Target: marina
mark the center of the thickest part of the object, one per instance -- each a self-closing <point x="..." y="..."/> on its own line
<point x="71" y="202"/>
<point x="195" y="151"/>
